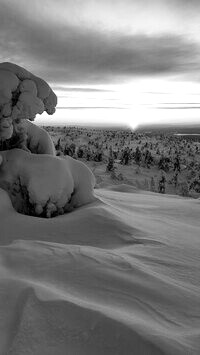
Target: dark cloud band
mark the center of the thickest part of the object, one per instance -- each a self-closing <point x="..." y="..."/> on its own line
<point x="66" y="53"/>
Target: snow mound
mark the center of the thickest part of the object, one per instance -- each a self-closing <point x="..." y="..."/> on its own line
<point x="45" y="185"/>
<point x="118" y="276"/>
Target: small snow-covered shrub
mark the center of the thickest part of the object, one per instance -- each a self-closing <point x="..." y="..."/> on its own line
<point x="113" y="174"/>
<point x="138" y="170"/>
<point x="152" y="184"/>
<point x="183" y="188"/>
<point x="120" y="177"/>
<point x="195" y="184"/>
<point x="146" y="184"/>
<point x="110" y="166"/>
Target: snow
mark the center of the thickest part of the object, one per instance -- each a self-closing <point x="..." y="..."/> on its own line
<point x="22" y="96"/>
<point x="119" y="275"/>
<point x="38" y="139"/>
<point x="41" y="184"/>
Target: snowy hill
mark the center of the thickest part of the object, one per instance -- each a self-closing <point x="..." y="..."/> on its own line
<point x="117" y="276"/>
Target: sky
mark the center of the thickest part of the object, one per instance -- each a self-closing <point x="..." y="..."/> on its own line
<point x="110" y="62"/>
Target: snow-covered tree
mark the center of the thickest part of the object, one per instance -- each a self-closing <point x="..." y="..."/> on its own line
<point x="38" y="182"/>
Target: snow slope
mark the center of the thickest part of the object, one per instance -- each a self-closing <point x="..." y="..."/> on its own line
<point x="117" y="276"/>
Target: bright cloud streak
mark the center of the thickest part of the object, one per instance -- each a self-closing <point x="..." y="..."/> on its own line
<point x="140" y="102"/>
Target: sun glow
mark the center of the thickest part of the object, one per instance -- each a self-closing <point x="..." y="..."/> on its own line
<point x="140" y="102"/>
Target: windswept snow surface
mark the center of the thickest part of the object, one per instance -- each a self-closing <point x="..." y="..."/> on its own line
<point x="117" y="276"/>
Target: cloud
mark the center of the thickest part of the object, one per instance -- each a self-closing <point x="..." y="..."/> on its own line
<point x="178" y="107"/>
<point x="66" y="53"/>
<point x="91" y="108"/>
<point x="79" y="89"/>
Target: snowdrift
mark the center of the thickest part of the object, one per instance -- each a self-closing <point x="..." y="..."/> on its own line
<point x="117" y="276"/>
<point x="44" y="185"/>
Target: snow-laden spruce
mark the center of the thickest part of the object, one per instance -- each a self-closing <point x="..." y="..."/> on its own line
<point x="45" y="185"/>
<point x="38" y="182"/>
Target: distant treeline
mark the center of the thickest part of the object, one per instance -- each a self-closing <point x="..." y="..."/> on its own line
<point x="170" y="129"/>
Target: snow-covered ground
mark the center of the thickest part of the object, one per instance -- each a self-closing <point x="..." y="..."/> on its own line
<point x="117" y="276"/>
